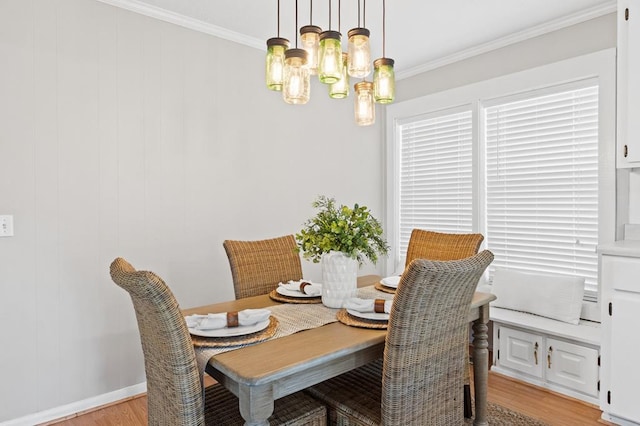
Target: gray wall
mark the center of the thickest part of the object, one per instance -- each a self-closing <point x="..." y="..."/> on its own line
<point x="125" y="136"/>
<point x="121" y="135"/>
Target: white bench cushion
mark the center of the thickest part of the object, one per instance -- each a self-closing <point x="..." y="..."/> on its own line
<point x="552" y="296"/>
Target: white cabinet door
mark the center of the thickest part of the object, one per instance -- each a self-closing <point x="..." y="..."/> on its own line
<point x="628" y="84"/>
<point x="572" y="366"/>
<point x="625" y="346"/>
<point x="521" y="351"/>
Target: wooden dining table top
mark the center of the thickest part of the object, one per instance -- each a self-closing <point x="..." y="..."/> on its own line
<point x="278" y="367"/>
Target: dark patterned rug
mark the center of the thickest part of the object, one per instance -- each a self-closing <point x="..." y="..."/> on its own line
<point x="501" y="416"/>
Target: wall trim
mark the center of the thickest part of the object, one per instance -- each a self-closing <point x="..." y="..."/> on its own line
<point x="78" y="406"/>
<point x="532" y="32"/>
<point x="187" y="22"/>
<point x="207" y="28"/>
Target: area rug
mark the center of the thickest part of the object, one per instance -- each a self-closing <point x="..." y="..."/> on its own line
<point x="501" y="416"/>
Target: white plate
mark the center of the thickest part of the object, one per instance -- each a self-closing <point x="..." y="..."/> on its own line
<point x="292" y="293"/>
<point x="231" y="331"/>
<point x="369" y="315"/>
<point x="391" y="281"/>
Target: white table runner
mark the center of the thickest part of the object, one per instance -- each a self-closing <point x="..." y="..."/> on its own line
<point x="292" y="318"/>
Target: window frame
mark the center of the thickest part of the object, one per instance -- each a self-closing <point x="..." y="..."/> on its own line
<point x="599" y="66"/>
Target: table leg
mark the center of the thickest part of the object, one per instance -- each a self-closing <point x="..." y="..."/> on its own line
<point x="256" y="404"/>
<point x="481" y="365"/>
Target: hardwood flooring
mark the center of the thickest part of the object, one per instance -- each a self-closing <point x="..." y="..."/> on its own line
<point x="555" y="409"/>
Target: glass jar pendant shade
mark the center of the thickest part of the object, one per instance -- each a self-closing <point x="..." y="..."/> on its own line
<point x="365" y="110"/>
<point x="276" y="48"/>
<point x="384" y="81"/>
<point x="310" y="38"/>
<point x="359" y="51"/>
<point x="296" y="84"/>
<point x="330" y="58"/>
<point x="340" y="89"/>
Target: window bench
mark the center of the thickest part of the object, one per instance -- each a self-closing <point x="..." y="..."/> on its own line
<point x="553" y="354"/>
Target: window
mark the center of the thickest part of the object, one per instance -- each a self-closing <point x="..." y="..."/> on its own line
<point x="542" y="183"/>
<point x="526" y="159"/>
<point x="435" y="174"/>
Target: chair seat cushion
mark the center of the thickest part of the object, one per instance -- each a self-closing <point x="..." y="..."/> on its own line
<point x="355" y="395"/>
<point x="221" y="409"/>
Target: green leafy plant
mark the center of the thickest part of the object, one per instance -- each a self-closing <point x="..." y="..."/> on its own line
<point x="353" y="231"/>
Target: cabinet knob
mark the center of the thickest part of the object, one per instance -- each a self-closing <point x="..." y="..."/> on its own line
<point x="626" y="151"/>
<point x="535" y="353"/>
<point x="549" y="352"/>
<point x="626" y="14"/>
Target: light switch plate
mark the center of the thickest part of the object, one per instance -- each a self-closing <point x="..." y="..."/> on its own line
<point x="6" y="225"/>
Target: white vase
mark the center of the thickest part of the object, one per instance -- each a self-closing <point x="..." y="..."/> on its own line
<point x="339" y="278"/>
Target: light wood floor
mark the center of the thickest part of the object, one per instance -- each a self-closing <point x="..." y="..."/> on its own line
<point x="550" y="407"/>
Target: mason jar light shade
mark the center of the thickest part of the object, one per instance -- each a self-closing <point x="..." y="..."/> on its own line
<point x="330" y="58"/>
<point x="276" y="48"/>
<point x="359" y="53"/>
<point x="384" y="82"/>
<point x="364" y="106"/>
<point x="340" y="89"/>
<point x="310" y="38"/>
<point x="295" y="87"/>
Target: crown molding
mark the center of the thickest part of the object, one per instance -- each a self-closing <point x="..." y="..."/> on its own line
<point x="547" y="27"/>
<point x="186" y="22"/>
<point x="532" y="32"/>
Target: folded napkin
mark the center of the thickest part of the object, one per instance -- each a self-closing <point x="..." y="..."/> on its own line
<point x="227" y="319"/>
<point x="304" y="286"/>
<point x="368" y="305"/>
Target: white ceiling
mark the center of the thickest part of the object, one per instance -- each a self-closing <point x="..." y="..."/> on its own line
<point x="420" y="34"/>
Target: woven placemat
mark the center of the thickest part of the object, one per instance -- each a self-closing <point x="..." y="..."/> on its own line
<point x="280" y="298"/>
<point x="379" y="286"/>
<point x="345" y="318"/>
<point x="221" y="342"/>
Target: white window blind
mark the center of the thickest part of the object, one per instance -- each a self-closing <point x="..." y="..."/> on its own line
<point x="542" y="183"/>
<point x="435" y="175"/>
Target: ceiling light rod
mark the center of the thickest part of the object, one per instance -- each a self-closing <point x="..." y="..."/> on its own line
<point x="384" y="84"/>
<point x="295" y="87"/>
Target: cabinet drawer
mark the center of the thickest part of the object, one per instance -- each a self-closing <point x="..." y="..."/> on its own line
<point x="621" y="272"/>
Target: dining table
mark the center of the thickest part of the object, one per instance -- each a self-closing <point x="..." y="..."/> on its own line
<point x="260" y="373"/>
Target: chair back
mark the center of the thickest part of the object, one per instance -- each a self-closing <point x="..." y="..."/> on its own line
<point x="441" y="246"/>
<point x="258" y="266"/>
<point x="424" y="354"/>
<point x="174" y="389"/>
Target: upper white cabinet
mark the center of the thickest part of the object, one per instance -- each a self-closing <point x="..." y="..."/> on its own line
<point x="628" y="146"/>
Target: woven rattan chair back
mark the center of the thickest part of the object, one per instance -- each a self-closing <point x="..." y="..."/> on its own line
<point x="441" y="246"/>
<point x="258" y="266"/>
<point x="424" y="350"/>
<point x="174" y="390"/>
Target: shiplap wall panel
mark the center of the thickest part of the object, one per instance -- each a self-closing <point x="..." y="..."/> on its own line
<point x="121" y="135"/>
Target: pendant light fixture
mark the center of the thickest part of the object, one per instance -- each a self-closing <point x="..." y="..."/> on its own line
<point x="340" y="89"/>
<point x="384" y="81"/>
<point x="296" y="84"/>
<point x="365" y="110"/>
<point x="310" y="39"/>
<point x="276" y="48"/>
<point x="359" y="49"/>
<point x="289" y="69"/>
<point x="330" y="58"/>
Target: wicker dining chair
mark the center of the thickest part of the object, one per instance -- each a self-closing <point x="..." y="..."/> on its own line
<point x="174" y="388"/>
<point x="422" y="367"/>
<point x="441" y="246"/>
<point x="258" y="266"/>
<point x="432" y="245"/>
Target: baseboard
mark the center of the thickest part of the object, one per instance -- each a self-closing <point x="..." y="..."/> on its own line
<point x="77" y="407"/>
